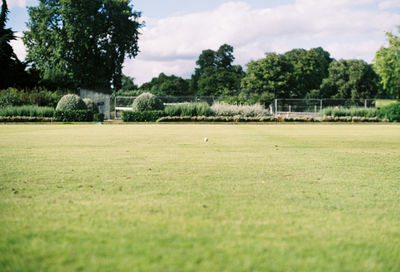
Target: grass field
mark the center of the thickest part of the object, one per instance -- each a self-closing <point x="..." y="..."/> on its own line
<point x="159" y="198"/>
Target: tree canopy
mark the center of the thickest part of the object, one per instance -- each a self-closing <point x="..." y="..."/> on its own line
<point x="82" y="43"/>
<point x="387" y="66"/>
<point x="12" y="71"/>
<point x="310" y="67"/>
<point x="215" y="73"/>
<point x="167" y="85"/>
<point x="273" y="74"/>
<point x="351" y="79"/>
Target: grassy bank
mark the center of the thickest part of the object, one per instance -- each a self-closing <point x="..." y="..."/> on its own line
<point x="159" y="198"/>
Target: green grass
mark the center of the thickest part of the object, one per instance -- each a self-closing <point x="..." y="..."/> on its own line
<point x="27" y="110"/>
<point x="159" y="198"/>
<point x="352" y="112"/>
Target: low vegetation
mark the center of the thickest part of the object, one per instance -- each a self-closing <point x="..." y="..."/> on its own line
<point x="391" y="112"/>
<point x="189" y="109"/>
<point x="27" y="111"/>
<point x="159" y="198"/>
<point x="221" y="109"/>
<point x="352" y="112"/>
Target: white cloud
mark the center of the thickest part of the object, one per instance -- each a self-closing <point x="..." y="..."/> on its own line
<point x="346" y="28"/>
<point x="18" y="46"/>
<point x="16" y="3"/>
<point x="389" y="4"/>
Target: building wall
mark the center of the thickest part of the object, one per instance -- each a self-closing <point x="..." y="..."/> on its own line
<point x="101" y="99"/>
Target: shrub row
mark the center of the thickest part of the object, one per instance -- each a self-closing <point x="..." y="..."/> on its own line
<point x="25" y="119"/>
<point x="353" y="111"/>
<point x="264" y="119"/>
<point x="27" y="111"/>
<point x="74" y="116"/>
<point x="189" y="109"/>
<point x="391" y="112"/>
<point x="142" y="116"/>
<point x="37" y="96"/>
<point x="242" y="110"/>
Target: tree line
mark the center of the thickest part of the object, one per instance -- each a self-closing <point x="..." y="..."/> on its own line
<point x="79" y="43"/>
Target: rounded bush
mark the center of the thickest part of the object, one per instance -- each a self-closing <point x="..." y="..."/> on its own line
<point x="91" y="105"/>
<point x="71" y="102"/>
<point x="391" y="112"/>
<point x="147" y="102"/>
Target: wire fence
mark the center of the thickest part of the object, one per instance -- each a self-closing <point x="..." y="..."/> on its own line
<point x="314" y="106"/>
<point x="277" y="106"/>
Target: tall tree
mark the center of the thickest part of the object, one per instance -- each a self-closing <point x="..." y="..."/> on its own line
<point x="12" y="71"/>
<point x="82" y="43"/>
<point x="387" y="66"/>
<point x="350" y="79"/>
<point x="215" y="73"/>
<point x="270" y="75"/>
<point x="167" y="85"/>
<point x="310" y="68"/>
<point x="128" y="83"/>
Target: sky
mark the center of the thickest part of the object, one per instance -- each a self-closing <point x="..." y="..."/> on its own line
<point x="176" y="31"/>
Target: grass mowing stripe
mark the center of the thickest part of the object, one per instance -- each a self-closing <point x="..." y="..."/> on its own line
<point x="158" y="198"/>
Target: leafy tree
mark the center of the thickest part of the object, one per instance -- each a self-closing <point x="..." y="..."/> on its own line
<point x="128" y="83"/>
<point x="215" y="74"/>
<point x="12" y="71"/>
<point x="273" y="74"/>
<point x="387" y="66"/>
<point x="82" y="43"/>
<point x="350" y="79"/>
<point x="167" y="85"/>
<point x="310" y="68"/>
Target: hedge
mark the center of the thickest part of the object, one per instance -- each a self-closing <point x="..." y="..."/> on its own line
<point x="26" y="119"/>
<point x="265" y="119"/>
<point x="142" y="116"/>
<point x="391" y="112"/>
<point x="74" y="116"/>
<point x="27" y="110"/>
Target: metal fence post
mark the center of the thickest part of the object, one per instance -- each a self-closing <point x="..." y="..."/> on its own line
<point x="320" y="105"/>
<point x="115" y="107"/>
<point x="276" y="107"/>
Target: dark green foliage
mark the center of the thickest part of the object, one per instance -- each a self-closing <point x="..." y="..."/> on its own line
<point x="82" y="43"/>
<point x="189" y="109"/>
<point x="265" y="99"/>
<point x="310" y="68"/>
<point x="16" y="119"/>
<point x="12" y="71"/>
<point x="36" y="96"/>
<point x="142" y="116"/>
<point x="147" y="102"/>
<point x="128" y="84"/>
<point x="98" y="117"/>
<point x="350" y="79"/>
<point x="215" y="74"/>
<point x="351" y="112"/>
<point x="391" y="112"/>
<point x="73" y="116"/>
<point x="27" y="110"/>
<point x="9" y="100"/>
<point x="234" y="100"/>
<point x="164" y="85"/>
<point x="71" y="102"/>
<point x="387" y="66"/>
<point x="273" y="74"/>
<point x="90" y="105"/>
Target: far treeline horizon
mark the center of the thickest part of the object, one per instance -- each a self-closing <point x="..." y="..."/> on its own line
<point x="108" y="32"/>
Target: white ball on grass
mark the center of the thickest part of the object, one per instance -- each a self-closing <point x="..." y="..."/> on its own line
<point x="205" y="139"/>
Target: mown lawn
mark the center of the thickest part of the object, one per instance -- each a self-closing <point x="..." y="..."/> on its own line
<point x="159" y="198"/>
